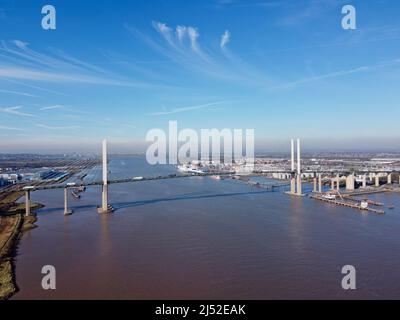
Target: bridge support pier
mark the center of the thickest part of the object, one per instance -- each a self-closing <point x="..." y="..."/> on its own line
<point x="105" y="207"/>
<point x="338" y="182"/>
<point x="332" y="184"/>
<point x="389" y="178"/>
<point x="299" y="186"/>
<point x="104" y="197"/>
<point x="295" y="178"/>
<point x="364" y="181"/>
<point x="377" y="181"/>
<point x="292" y="185"/>
<point x="315" y="183"/>
<point x="66" y="211"/>
<point x="292" y="174"/>
<point x="27" y="203"/>
<point x="350" y="182"/>
<point x="320" y="183"/>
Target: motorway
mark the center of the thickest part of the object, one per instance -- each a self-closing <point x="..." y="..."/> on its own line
<point x="48" y="186"/>
<point x="22" y="187"/>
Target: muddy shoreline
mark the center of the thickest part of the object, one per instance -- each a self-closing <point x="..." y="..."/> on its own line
<point x="13" y="223"/>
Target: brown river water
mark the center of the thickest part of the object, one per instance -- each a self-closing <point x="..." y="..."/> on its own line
<point x="199" y="238"/>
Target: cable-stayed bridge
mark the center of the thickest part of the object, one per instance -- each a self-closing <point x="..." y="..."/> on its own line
<point x="335" y="178"/>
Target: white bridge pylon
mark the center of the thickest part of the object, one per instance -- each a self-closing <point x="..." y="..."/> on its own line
<point x="105" y="207"/>
<point x="295" y="181"/>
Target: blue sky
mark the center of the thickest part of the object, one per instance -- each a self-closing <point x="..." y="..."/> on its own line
<point x="116" y="69"/>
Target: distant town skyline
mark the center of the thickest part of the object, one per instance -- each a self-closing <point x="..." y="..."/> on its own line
<point x="116" y="70"/>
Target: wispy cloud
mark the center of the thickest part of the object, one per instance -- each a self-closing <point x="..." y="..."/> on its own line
<point x="186" y="109"/>
<point x="183" y="48"/>
<point x="68" y="111"/>
<point x="10" y="128"/>
<point x="14" y="72"/>
<point x="177" y="38"/>
<point x="22" y="63"/>
<point x="18" y="93"/>
<point x="57" y="106"/>
<point x="336" y="74"/>
<point x="193" y="36"/>
<point x="226" y="37"/>
<point x="44" y="126"/>
<point x="181" y="32"/>
<point x="23" y="84"/>
<point x="128" y="125"/>
<point x="291" y="12"/>
<point x="16" y="111"/>
<point x="300" y="12"/>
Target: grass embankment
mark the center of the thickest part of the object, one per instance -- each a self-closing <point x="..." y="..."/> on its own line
<point x="10" y="206"/>
<point x="9" y="231"/>
<point x="12" y="224"/>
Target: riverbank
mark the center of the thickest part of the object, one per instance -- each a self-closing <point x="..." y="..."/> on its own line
<point x="9" y="204"/>
<point x="11" y="229"/>
<point x="12" y="225"/>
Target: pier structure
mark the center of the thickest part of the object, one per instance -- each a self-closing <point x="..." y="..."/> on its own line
<point x="315" y="182"/>
<point x="350" y="182"/>
<point x="105" y="207"/>
<point x="28" y="190"/>
<point x="299" y="187"/>
<point x="349" y="204"/>
<point x="27" y="203"/>
<point x="335" y="181"/>
<point x="67" y="212"/>
<point x="292" y="178"/>
<point x="320" y="183"/>
<point x="364" y="181"/>
<point x="296" y="176"/>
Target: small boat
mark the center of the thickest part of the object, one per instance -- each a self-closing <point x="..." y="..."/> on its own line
<point x="329" y="196"/>
<point x="364" y="205"/>
<point x="391" y="207"/>
<point x="190" y="169"/>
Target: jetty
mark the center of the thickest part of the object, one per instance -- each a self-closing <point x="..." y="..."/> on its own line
<point x="348" y="204"/>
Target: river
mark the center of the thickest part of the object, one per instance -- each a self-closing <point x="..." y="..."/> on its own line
<point x="199" y="238"/>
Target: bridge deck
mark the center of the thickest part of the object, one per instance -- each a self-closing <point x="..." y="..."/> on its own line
<point x="118" y="181"/>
